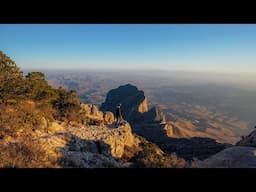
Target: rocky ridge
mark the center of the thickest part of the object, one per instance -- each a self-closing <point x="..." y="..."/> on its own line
<point x="152" y="125"/>
<point x="242" y="155"/>
<point x="84" y="146"/>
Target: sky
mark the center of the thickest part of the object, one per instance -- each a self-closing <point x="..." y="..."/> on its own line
<point x="190" y="47"/>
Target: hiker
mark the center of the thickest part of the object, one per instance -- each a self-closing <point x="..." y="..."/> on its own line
<point x="119" y="118"/>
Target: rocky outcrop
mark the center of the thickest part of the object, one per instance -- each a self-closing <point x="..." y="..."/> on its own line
<point x="154" y="115"/>
<point x="91" y="111"/>
<point x="134" y="108"/>
<point x="92" y="115"/>
<point x="249" y="140"/>
<point x="116" y="138"/>
<point x="55" y="128"/>
<point x="152" y="125"/>
<point x="134" y="102"/>
<point x="72" y="144"/>
<point x="242" y="155"/>
<point x="143" y="107"/>
<point x="89" y="160"/>
<point x="108" y="117"/>
<point x="83" y="146"/>
<point x="169" y="130"/>
<point x="233" y="157"/>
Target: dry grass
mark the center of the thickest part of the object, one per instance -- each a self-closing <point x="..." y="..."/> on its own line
<point x="26" y="152"/>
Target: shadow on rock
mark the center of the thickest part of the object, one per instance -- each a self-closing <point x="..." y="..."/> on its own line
<point x="80" y="153"/>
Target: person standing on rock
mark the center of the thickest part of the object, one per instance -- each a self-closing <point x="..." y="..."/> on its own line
<point x="119" y="118"/>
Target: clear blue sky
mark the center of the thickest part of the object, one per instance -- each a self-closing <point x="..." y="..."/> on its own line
<point x="204" y="47"/>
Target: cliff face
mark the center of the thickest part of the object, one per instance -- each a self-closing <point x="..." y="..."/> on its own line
<point x="134" y="102"/>
<point x="143" y="107"/>
<point x="63" y="145"/>
<point x="152" y="125"/>
<point x="116" y="138"/>
<point x="135" y="111"/>
<point x="134" y="106"/>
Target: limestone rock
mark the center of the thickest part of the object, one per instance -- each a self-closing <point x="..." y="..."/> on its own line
<point x="143" y="107"/>
<point x="233" y="157"/>
<point x="91" y="114"/>
<point x="133" y="101"/>
<point x="55" y="128"/>
<point x="108" y="118"/>
<point x="44" y="123"/>
<point x="91" y="110"/>
<point x="134" y="106"/>
<point x="116" y="139"/>
<point x="123" y="137"/>
<point x="89" y="160"/>
<point x="152" y="124"/>
<point x="85" y="109"/>
<point x="169" y="130"/>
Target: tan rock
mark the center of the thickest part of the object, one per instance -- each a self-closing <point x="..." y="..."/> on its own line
<point x="85" y="109"/>
<point x="169" y="130"/>
<point x="73" y="123"/>
<point x="123" y="137"/>
<point x="108" y="118"/>
<point x="143" y="107"/>
<point x="44" y="123"/>
<point x="55" y="127"/>
<point x="92" y="115"/>
<point x="115" y="138"/>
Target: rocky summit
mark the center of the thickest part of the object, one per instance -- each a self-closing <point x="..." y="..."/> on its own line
<point x="134" y="102"/>
<point x="148" y="123"/>
<point x="151" y="124"/>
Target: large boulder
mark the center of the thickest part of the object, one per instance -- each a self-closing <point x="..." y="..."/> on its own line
<point x="91" y="115"/>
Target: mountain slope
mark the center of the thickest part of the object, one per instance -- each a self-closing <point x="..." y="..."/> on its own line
<point x="242" y="155"/>
<point x="41" y="126"/>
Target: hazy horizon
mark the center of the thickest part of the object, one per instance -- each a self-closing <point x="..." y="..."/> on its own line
<point x="241" y="80"/>
<point x="215" y="48"/>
